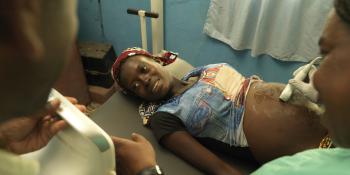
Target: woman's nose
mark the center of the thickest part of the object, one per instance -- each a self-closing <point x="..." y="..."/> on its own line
<point x="145" y="79"/>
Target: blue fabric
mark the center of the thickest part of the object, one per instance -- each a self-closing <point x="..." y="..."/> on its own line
<point x="207" y="112"/>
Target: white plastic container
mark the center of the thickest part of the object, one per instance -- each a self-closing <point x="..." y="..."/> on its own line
<point x="81" y="149"/>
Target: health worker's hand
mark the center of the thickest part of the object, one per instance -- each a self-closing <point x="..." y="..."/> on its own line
<point x="133" y="155"/>
<point x="307" y="89"/>
<point x="30" y="133"/>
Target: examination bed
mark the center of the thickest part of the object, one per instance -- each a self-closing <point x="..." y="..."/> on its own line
<point x="71" y="152"/>
<point x="119" y="116"/>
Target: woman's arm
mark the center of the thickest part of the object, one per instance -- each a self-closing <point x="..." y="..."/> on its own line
<point x="189" y="149"/>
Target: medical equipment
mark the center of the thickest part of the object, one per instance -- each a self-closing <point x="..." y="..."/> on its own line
<point x="301" y="75"/>
<point x="82" y="149"/>
<point x="143" y="14"/>
<point x="81" y="122"/>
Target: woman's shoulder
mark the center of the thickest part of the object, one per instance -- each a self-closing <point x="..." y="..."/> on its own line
<point x="198" y="70"/>
<point x="216" y="65"/>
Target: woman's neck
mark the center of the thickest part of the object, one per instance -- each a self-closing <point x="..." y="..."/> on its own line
<point x="181" y="86"/>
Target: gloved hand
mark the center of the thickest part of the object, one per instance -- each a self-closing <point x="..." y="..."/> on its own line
<point x="307" y="89"/>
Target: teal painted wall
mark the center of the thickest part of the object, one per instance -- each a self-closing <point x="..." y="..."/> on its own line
<point x="107" y="21"/>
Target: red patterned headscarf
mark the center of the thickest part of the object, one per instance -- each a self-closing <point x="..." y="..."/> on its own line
<point x="164" y="59"/>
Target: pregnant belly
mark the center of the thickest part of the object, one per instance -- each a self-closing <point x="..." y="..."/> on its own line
<point x="274" y="128"/>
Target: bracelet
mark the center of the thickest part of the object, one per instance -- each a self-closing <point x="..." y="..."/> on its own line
<point x="155" y="170"/>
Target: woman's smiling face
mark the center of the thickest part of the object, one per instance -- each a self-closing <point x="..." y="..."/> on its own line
<point x="146" y="78"/>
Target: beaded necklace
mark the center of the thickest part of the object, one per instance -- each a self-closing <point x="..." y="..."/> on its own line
<point x="326" y="142"/>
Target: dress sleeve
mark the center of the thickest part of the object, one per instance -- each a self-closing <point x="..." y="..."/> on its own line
<point x="163" y="123"/>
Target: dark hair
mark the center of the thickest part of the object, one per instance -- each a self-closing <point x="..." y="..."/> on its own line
<point x="342" y="7"/>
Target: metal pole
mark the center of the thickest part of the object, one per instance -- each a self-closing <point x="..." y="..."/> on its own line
<point x="157" y="27"/>
<point x="143" y="28"/>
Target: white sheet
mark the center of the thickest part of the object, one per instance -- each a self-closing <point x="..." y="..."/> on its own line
<point x="285" y="29"/>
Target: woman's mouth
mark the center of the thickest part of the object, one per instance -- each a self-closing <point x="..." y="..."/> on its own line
<point x="155" y="87"/>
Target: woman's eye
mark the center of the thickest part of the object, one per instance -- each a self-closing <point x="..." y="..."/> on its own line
<point x="135" y="86"/>
<point x="144" y="69"/>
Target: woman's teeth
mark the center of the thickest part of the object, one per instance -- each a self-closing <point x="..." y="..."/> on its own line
<point x="155" y="86"/>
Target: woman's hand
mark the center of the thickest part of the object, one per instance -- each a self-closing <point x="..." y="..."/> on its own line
<point x="30" y="133"/>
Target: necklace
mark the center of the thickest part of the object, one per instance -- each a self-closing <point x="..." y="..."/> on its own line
<point x="326" y="142"/>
